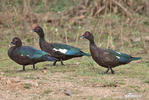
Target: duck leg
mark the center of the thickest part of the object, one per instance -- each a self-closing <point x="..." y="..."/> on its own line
<point x="23" y="67"/>
<point x="106" y="71"/>
<point x="112" y="71"/>
<point x="62" y="62"/>
<point x="34" y="67"/>
<point x="54" y="63"/>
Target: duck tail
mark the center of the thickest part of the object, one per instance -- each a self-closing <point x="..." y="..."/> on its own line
<point x="49" y="58"/>
<point x="135" y="58"/>
<point x="86" y="54"/>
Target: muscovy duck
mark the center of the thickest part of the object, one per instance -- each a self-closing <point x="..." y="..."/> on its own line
<point x="106" y="57"/>
<point x="26" y="55"/>
<point x="60" y="51"/>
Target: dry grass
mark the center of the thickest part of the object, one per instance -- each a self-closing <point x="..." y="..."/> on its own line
<point x="81" y="77"/>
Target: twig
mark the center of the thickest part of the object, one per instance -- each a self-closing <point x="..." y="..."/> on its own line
<point x="123" y="8"/>
<point x="102" y="8"/>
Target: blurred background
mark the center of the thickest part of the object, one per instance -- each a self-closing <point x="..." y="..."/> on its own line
<point x="122" y="25"/>
<point x="116" y="24"/>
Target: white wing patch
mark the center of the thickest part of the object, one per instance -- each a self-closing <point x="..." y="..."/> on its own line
<point x="60" y="50"/>
<point x="118" y="52"/>
<point x="118" y="57"/>
<point x="28" y="55"/>
<point x="23" y="55"/>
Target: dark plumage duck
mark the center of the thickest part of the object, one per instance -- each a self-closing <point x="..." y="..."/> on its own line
<point x="26" y="55"/>
<point x="57" y="50"/>
<point x="106" y="57"/>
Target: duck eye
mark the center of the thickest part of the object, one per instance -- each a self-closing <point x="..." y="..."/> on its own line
<point x="37" y="28"/>
<point x="15" y="40"/>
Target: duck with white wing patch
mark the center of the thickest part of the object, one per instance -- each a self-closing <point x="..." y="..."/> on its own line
<point x="60" y="51"/>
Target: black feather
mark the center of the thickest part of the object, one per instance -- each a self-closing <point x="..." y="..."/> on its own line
<point x="106" y="57"/>
<point x="60" y="51"/>
<point x="26" y="55"/>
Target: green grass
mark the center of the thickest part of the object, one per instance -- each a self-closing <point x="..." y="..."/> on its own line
<point x="80" y="71"/>
<point x="46" y="92"/>
<point x="27" y="85"/>
<point x="81" y="76"/>
<point x="83" y="71"/>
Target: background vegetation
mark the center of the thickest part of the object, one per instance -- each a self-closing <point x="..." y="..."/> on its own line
<point x="118" y="24"/>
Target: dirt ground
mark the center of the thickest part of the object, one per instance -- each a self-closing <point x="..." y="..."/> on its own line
<point x="57" y="86"/>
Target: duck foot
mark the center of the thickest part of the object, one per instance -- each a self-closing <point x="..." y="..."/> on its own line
<point x="106" y="71"/>
<point x="34" y="67"/>
<point x="112" y="71"/>
<point x="23" y="68"/>
<point x="62" y="62"/>
<point x="21" y="71"/>
<point x="54" y="63"/>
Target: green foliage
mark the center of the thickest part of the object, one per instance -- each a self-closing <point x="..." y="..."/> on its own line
<point x="40" y="7"/>
<point x="146" y="81"/>
<point x="62" y="5"/>
<point x="27" y="85"/>
<point x="47" y="91"/>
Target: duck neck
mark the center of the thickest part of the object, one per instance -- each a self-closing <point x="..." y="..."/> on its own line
<point x="14" y="47"/>
<point x="41" y="39"/>
<point x="41" y="36"/>
<point x="92" y="46"/>
<point x="92" y="42"/>
<point x="11" y="50"/>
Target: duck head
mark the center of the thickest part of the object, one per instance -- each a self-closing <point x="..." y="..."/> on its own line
<point x="39" y="31"/>
<point x="88" y="36"/>
<point x="16" y="42"/>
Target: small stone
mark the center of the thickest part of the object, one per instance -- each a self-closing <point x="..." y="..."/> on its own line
<point x="2" y="73"/>
<point x="36" y="84"/>
<point x="44" y="71"/>
<point x="8" y="81"/>
<point x="67" y="93"/>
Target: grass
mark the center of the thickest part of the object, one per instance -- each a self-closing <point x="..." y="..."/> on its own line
<point x="82" y="72"/>
<point x="27" y="85"/>
<point x="46" y="92"/>
<point x="81" y="76"/>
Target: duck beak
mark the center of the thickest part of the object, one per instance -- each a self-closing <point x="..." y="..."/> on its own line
<point x="11" y="44"/>
<point x="32" y="30"/>
<point x="82" y="37"/>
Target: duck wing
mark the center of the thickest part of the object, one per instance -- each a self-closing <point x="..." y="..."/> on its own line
<point x="67" y="50"/>
<point x="32" y="53"/>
